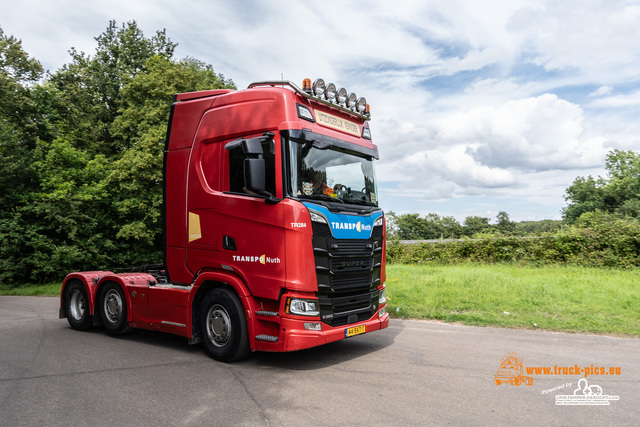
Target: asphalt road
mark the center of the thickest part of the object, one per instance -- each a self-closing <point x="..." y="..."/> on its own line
<point x="413" y="373"/>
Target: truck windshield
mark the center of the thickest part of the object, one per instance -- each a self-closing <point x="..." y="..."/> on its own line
<point x="331" y="173"/>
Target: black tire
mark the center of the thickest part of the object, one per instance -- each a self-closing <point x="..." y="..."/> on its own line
<point x="112" y="306"/>
<point x="76" y="306"/>
<point x="223" y="326"/>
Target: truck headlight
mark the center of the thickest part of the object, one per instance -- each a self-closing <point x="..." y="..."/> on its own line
<point x="303" y="307"/>
<point x="382" y="299"/>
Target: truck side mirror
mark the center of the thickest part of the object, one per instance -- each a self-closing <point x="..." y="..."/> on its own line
<point x="254" y="165"/>
<point x="254" y="175"/>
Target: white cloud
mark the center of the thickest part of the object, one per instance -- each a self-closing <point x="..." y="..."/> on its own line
<point x="617" y="101"/>
<point x="492" y="151"/>
<point x="602" y="91"/>
<point x="598" y="39"/>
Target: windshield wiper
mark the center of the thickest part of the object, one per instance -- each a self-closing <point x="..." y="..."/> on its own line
<point x="360" y="202"/>
<point x="321" y="197"/>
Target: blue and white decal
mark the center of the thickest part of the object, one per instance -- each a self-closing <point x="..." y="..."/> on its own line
<point x="345" y="226"/>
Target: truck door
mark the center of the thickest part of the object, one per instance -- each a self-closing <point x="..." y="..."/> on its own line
<point x="252" y="232"/>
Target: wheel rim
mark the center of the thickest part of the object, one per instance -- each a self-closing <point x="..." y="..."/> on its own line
<point x="113" y="306"/>
<point x="218" y="325"/>
<point x="76" y="305"/>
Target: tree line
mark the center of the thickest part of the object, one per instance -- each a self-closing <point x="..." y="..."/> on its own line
<point x="81" y="152"/>
<point x="433" y="226"/>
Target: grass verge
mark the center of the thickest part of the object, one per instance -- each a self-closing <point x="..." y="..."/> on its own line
<point x="48" y="290"/>
<point x="557" y="298"/>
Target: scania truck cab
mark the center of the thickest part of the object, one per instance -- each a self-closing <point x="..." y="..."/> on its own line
<point x="273" y="237"/>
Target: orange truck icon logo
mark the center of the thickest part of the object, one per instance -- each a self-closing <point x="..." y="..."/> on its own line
<point x="511" y="371"/>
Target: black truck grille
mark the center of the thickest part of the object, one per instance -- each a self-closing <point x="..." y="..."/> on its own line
<point x="321" y="230"/>
<point x="348" y="273"/>
<point x="350" y="247"/>
<point x="351" y="281"/>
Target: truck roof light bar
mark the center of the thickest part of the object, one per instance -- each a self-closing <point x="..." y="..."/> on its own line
<point x="326" y="94"/>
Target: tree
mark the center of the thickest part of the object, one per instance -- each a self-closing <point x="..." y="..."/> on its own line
<point x="91" y="87"/>
<point x="431" y="226"/>
<point x="475" y="225"/>
<point x="584" y="195"/>
<point x="83" y="163"/>
<point x="451" y="228"/>
<point x="21" y="127"/>
<point x="18" y="73"/>
<point x="536" y="228"/>
<point x="618" y="193"/>
<point x="411" y="227"/>
<point x="505" y="225"/>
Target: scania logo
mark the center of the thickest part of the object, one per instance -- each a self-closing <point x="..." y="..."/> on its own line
<point x="358" y="226"/>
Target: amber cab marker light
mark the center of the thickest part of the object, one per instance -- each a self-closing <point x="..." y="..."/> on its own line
<point x="367" y="109"/>
<point x="306" y="85"/>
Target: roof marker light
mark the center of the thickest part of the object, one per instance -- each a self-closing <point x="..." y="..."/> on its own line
<point x="306" y="85"/>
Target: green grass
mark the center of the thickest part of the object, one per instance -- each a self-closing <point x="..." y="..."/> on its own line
<point x="558" y="298"/>
<point x="48" y="290"/>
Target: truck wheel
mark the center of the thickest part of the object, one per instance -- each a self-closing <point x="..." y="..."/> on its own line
<point x="223" y="326"/>
<point x="76" y="306"/>
<point x="113" y="309"/>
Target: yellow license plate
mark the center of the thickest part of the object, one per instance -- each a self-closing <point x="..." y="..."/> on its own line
<point x="356" y="330"/>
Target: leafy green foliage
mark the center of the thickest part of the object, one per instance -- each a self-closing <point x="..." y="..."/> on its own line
<point x="433" y="226"/>
<point x="81" y="153"/>
<point x="475" y="224"/>
<point x="91" y="87"/>
<point x="617" y="194"/>
<point x="607" y="244"/>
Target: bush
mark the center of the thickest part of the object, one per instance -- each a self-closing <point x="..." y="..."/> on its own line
<point x="611" y="244"/>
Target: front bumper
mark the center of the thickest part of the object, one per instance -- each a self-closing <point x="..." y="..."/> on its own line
<point x="293" y="335"/>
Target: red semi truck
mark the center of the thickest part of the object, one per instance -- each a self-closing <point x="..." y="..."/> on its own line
<point x="273" y="238"/>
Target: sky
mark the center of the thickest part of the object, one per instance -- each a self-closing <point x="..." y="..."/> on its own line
<point x="477" y="106"/>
